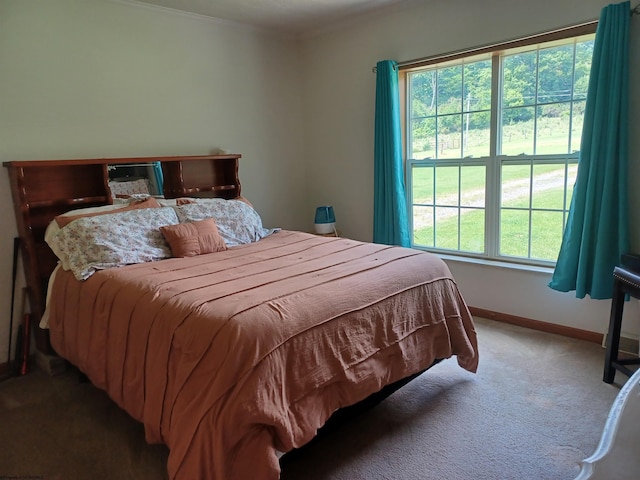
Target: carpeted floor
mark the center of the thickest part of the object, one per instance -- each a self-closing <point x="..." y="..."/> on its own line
<point x="534" y="410"/>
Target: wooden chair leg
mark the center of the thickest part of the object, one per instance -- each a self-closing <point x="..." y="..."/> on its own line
<point x="613" y="335"/>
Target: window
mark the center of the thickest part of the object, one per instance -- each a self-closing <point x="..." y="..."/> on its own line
<point x="492" y="142"/>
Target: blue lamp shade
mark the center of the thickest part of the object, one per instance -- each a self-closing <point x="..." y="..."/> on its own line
<point x="325" y="220"/>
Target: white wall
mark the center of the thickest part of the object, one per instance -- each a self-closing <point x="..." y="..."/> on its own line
<point x="337" y="68"/>
<point x="96" y="78"/>
<point x="86" y="79"/>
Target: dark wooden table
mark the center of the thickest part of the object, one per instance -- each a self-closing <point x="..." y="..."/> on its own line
<point x="626" y="281"/>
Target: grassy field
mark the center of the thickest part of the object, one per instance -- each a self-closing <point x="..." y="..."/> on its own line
<point x="532" y="202"/>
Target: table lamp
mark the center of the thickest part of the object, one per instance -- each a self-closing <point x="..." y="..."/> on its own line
<point x="325" y="220"/>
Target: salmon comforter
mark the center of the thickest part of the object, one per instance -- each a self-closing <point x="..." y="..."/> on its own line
<point x="230" y="357"/>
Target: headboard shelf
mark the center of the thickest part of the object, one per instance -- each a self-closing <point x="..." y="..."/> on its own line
<point x="182" y="178"/>
<point x="43" y="189"/>
<point x="217" y="188"/>
<point x="71" y="202"/>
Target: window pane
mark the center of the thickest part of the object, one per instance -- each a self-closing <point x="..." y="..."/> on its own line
<point x="447" y="185"/>
<point x="546" y="234"/>
<point x="447" y="228"/>
<point x="541" y="92"/>
<point x="423" y="221"/>
<point x="516" y="186"/>
<point x="477" y="135"/>
<point x="553" y="128"/>
<point x="450" y="90"/>
<point x="450" y="136"/>
<point x="422" y="184"/>
<point x="472" y="230"/>
<point x="477" y="86"/>
<point x="519" y="79"/>
<point x="548" y="187"/>
<point x="576" y="125"/>
<point x="423" y="138"/>
<point x="472" y="186"/>
<point x="514" y="233"/>
<point x="584" y="53"/>
<point x="571" y="181"/>
<point x="518" y="131"/>
<point x="423" y="100"/>
<point x="555" y="74"/>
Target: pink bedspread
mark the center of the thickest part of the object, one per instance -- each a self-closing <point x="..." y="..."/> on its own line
<point x="228" y="357"/>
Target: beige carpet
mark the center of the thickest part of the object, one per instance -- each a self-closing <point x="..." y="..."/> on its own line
<point x="535" y="408"/>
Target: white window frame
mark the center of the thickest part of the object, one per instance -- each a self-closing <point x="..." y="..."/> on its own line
<point x="493" y="163"/>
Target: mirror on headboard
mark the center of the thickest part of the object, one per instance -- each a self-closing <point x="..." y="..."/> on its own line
<point x="127" y="179"/>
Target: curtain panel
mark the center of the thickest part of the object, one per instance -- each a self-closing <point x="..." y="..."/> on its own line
<point x="597" y="229"/>
<point x="390" y="223"/>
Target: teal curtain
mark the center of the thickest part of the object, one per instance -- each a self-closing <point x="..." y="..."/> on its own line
<point x="390" y="224"/>
<point x="597" y="230"/>
<point x="157" y="170"/>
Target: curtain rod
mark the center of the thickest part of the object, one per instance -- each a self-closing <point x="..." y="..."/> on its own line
<point x="489" y="47"/>
<point x="634" y="11"/>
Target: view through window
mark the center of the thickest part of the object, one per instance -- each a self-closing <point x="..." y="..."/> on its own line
<point x="492" y="142"/>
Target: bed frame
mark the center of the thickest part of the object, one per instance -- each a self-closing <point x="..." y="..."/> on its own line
<point x="42" y="189"/>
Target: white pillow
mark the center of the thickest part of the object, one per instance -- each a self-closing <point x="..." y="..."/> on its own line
<point x="112" y="240"/>
<point x="118" y="203"/>
<point x="237" y="222"/>
<point x="53" y="228"/>
<point x="129" y="187"/>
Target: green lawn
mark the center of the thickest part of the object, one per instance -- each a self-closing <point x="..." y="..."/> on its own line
<point x="532" y="198"/>
<point x="519" y="192"/>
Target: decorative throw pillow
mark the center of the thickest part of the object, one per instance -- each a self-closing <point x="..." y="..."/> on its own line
<point x="185" y="201"/>
<point x="194" y="238"/>
<point x="245" y="200"/>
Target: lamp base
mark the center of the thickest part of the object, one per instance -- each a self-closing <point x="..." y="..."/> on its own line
<point x="324" y="228"/>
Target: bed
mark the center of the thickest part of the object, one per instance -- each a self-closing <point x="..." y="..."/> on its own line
<point x="239" y="352"/>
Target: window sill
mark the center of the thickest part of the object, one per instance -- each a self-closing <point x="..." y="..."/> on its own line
<point x="496" y="263"/>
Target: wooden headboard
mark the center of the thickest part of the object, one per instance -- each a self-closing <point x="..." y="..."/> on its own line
<point x="43" y="189"/>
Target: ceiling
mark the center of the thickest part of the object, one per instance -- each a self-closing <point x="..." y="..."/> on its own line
<point x="291" y="17"/>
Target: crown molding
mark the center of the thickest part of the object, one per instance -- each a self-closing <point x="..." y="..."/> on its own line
<point x="206" y="18"/>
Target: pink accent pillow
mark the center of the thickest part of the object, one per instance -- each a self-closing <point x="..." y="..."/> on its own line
<point x="63" y="220"/>
<point x="194" y="238"/>
<point x="243" y="199"/>
<point x="185" y="201"/>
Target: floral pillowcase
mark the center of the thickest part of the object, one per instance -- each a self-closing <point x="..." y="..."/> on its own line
<point x="237" y="222"/>
<point x="111" y="240"/>
<point x="91" y="243"/>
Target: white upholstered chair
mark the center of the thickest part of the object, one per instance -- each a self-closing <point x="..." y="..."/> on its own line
<point x="618" y="453"/>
